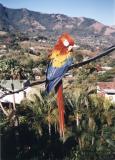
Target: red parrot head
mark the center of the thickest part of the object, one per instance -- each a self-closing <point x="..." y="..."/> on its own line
<point x="64" y="44"/>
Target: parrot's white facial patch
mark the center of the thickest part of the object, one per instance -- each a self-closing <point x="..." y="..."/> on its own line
<point x="65" y="43"/>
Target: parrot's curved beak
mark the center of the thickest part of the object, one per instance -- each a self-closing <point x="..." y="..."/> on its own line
<point x="71" y="48"/>
<point x="76" y="46"/>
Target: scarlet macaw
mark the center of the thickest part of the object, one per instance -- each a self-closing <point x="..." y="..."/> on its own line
<point x="60" y="60"/>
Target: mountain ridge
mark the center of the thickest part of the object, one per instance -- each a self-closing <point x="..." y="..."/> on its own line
<point x="33" y="22"/>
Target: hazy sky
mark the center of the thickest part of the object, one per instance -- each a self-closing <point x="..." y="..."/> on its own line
<point x="100" y="10"/>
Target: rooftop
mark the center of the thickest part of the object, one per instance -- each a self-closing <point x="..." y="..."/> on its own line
<point x="106" y="85"/>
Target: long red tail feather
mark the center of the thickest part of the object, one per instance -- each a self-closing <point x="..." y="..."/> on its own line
<point x="60" y="103"/>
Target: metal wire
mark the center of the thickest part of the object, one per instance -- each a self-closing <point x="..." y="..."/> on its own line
<point x="99" y="55"/>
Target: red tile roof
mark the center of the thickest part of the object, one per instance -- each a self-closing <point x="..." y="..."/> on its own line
<point x="106" y="85"/>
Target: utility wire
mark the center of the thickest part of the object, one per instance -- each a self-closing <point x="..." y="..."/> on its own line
<point x="99" y="55"/>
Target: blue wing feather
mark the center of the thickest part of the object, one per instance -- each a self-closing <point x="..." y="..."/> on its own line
<point x="55" y="74"/>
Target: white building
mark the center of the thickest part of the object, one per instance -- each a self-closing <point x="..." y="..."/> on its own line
<point x="107" y="89"/>
<point x="17" y="86"/>
<point x="29" y="92"/>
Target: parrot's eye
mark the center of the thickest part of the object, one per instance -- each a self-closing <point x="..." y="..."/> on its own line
<point x="66" y="43"/>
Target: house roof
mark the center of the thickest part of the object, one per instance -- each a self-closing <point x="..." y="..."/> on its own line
<point x="106" y="85"/>
<point x="29" y="91"/>
<point x="7" y="84"/>
<point x="18" y="84"/>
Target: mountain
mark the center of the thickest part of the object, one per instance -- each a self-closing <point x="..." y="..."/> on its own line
<point x="31" y="22"/>
<point x="113" y="26"/>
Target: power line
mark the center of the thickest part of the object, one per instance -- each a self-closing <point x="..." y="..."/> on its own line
<point x="102" y="54"/>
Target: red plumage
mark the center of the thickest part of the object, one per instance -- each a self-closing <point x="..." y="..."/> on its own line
<point x="60" y="103"/>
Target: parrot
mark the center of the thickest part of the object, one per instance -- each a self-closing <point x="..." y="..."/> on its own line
<point x="60" y="59"/>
